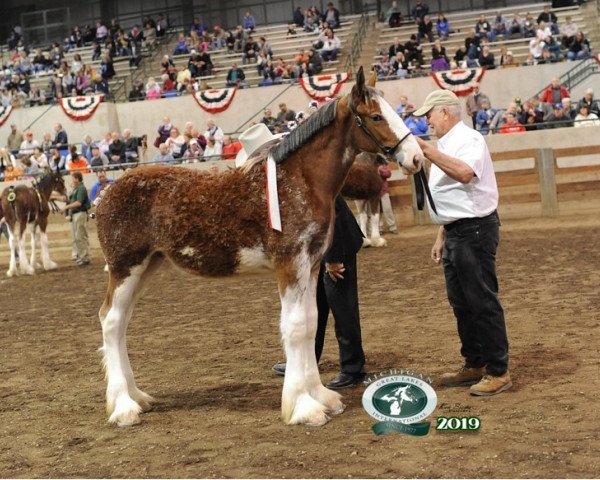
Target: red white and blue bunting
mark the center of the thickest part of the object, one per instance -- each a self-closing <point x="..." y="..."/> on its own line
<point x="323" y="87"/>
<point x="216" y="100"/>
<point x="5" y="113"/>
<point x="460" y="82"/>
<point x="80" y="108"/>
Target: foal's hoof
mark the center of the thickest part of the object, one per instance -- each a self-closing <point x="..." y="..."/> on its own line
<point x="338" y="410"/>
<point x="378" y="242"/>
<point x="28" y="271"/>
<point x="11" y="273"/>
<point x="366" y="242"/>
<point x="50" y="266"/>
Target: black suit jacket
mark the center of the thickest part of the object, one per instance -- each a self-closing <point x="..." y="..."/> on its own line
<point x="347" y="236"/>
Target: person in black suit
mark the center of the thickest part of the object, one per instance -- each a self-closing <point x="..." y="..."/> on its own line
<point x="337" y="291"/>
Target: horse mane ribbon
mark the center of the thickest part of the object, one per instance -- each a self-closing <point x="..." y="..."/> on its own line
<point x="271" y="192"/>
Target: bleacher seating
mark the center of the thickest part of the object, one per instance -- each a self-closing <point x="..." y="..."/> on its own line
<point x="462" y="23"/>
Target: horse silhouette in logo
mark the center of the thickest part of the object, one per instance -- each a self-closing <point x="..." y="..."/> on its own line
<point x="397" y="398"/>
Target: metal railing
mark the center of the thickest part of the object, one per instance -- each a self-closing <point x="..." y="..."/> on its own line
<point x="578" y="74"/>
<point x="357" y="43"/>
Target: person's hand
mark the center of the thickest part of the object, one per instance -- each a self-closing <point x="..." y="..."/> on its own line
<point x="436" y="250"/>
<point x="62" y="209"/>
<point x="335" y="271"/>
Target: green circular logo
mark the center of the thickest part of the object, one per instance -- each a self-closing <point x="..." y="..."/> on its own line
<point x="399" y="398"/>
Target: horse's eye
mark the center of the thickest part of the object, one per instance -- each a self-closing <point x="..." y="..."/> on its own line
<point x="376" y="118"/>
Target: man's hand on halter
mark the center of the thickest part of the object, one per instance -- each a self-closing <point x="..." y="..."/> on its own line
<point x="335" y="271"/>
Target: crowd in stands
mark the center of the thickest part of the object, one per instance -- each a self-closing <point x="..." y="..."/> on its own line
<point x="549" y="42"/>
<point x="200" y="42"/>
<point x="77" y="78"/>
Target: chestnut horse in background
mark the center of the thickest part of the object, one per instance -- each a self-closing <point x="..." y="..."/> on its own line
<point x="363" y="185"/>
<point x="217" y="225"/>
<point x="29" y="206"/>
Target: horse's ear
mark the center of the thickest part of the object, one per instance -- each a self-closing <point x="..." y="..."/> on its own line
<point x="358" y="91"/>
<point x="372" y="79"/>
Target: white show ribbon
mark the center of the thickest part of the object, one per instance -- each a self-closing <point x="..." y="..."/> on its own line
<point x="272" y="196"/>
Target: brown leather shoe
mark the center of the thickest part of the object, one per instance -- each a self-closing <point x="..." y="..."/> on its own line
<point x="491" y="385"/>
<point x="465" y="376"/>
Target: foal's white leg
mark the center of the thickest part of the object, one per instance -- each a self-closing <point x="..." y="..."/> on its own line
<point x="363" y="220"/>
<point x="304" y="398"/>
<point x="24" y="264"/>
<point x="46" y="260"/>
<point x="32" y="227"/>
<point x="376" y="239"/>
<point x="12" y="267"/>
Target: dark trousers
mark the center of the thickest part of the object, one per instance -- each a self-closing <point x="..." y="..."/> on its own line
<point x="341" y="298"/>
<point x="470" y="269"/>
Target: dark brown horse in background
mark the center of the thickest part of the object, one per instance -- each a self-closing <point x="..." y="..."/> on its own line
<point x="217" y="224"/>
<point x="29" y="207"/>
<point x="363" y="185"/>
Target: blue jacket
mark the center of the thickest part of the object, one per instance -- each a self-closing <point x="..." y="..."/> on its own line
<point x="418" y="127"/>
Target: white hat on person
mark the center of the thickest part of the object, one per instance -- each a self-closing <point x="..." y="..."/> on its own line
<point x="251" y="140"/>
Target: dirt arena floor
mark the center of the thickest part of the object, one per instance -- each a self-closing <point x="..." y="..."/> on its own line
<point x="204" y="349"/>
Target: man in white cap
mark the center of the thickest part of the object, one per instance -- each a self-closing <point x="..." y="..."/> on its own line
<point x="463" y="186"/>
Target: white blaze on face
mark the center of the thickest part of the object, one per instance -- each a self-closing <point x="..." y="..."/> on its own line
<point x="409" y="147"/>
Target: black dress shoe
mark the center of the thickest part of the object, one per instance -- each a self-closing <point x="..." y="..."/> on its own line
<point x="346" y="380"/>
<point x="279" y="369"/>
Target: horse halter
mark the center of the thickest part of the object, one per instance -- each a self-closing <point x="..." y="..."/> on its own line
<point x="388" y="151"/>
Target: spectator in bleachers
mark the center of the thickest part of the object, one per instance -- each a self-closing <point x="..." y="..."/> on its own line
<point x="569" y="108"/>
<point x="152" y="90"/>
<point x="543" y="31"/>
<point x="77" y="164"/>
<point x="472" y="44"/>
<point x="213" y="149"/>
<point x="311" y="20"/>
<point x="39" y="61"/>
<point x="230" y="148"/>
<point x="167" y="87"/>
<point x="193" y="153"/>
<point x="57" y="56"/>
<point x="413" y="51"/>
<point x="123" y="44"/>
<point x="314" y="64"/>
<point x="86" y="147"/>
<point x="511" y="125"/>
<point x="580" y="48"/>
<point x="285" y="114"/>
<point x="506" y="58"/>
<point x="459" y="59"/>
<point x="137" y="91"/>
<point x="554" y="93"/>
<point x="425" y="29"/>
<point x="393" y="17"/>
<point x="442" y="26"/>
<point x="107" y="69"/>
<point x="268" y="119"/>
<point x="149" y="35"/>
<point x="291" y="31"/>
<point x="484" y="117"/>
<point x="486" y="58"/>
<point x="88" y="34"/>
<point x="61" y="139"/>
<point x="213" y="130"/>
<point x="46" y="142"/>
<point x="28" y="144"/>
<point x="588" y="99"/>
<point x="549" y="18"/>
<point x="483" y="28"/>
<point x="499" y="27"/>
<point x="558" y="118"/>
<point x="239" y="36"/>
<point x="56" y="161"/>
<point x="417" y="125"/>
<point x="384" y="67"/>
<point x="250" y="51"/>
<point x="331" y="46"/>
<point x="248" y="22"/>
<point x="83" y="83"/>
<point x="97" y="158"/>
<point x="298" y="17"/>
<point x="536" y="49"/>
<point x="229" y="41"/>
<point x="39" y="158"/>
<point x="400" y="65"/>
<point x="568" y="31"/>
<point x="161" y="26"/>
<point x="531" y="116"/>
<point x="402" y="105"/>
<point x="501" y="117"/>
<point x="419" y="10"/>
<point x="101" y="32"/>
<point x="332" y="16"/>
<point x="131" y="146"/>
<point x="516" y="27"/>
<point x="116" y="150"/>
<point x="113" y="28"/>
<point x="235" y="76"/>
<point x="218" y="38"/>
<point x="181" y="48"/>
<point x="96" y="51"/>
<point x="29" y="168"/>
<point x="269" y="73"/>
<point x="438" y="50"/>
<point x="101" y="86"/>
<point x="396" y="47"/>
<point x="164" y="130"/>
<point x="7" y="159"/>
<point x="163" y="155"/>
<point x="474" y="101"/>
<point x="197" y="27"/>
<point x="585" y="118"/>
